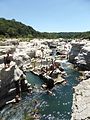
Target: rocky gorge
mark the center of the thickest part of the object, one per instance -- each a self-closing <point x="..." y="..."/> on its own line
<point x="26" y="54"/>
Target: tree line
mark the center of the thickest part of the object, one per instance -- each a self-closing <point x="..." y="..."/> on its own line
<point x="13" y="28"/>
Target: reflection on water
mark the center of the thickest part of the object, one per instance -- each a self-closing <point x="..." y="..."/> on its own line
<point x="55" y="107"/>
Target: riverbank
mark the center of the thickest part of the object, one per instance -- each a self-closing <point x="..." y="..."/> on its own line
<point x="55" y="106"/>
<point x="81" y="101"/>
<point x="80" y="57"/>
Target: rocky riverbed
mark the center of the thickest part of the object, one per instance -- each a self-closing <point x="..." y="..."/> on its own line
<point x="24" y="57"/>
<point x="29" y="55"/>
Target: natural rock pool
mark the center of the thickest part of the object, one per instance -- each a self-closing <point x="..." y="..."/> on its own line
<point x="51" y="107"/>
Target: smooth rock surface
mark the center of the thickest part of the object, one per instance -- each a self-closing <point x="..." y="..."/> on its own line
<point x="81" y="101"/>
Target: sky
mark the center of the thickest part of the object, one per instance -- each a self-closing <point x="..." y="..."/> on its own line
<point x="49" y="15"/>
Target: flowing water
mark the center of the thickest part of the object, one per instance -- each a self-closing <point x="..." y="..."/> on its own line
<point x="51" y="107"/>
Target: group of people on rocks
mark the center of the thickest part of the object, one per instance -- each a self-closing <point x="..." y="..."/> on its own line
<point x="7" y="60"/>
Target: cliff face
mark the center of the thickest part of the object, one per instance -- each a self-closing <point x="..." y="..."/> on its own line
<point x="75" y="50"/>
<point x="21" y="55"/>
<point x="83" y="58"/>
<point x="7" y="86"/>
<point x="80" y="55"/>
<point x="9" y="83"/>
<point x="81" y="101"/>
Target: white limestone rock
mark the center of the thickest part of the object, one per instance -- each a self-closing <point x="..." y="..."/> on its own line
<point x="83" y="58"/>
<point x="7" y="82"/>
<point x="80" y="54"/>
<point x="75" y="50"/>
<point x="81" y="101"/>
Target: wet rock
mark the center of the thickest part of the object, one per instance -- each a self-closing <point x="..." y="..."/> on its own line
<point x="48" y="81"/>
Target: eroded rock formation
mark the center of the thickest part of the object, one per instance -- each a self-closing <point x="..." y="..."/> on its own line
<point x="83" y="58"/>
<point x="80" y="54"/>
<point x="7" y="87"/>
<point x="11" y="79"/>
<point x="81" y="101"/>
<point x="75" y="50"/>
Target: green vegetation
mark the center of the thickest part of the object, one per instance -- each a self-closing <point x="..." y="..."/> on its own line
<point x="67" y="35"/>
<point x="14" y="29"/>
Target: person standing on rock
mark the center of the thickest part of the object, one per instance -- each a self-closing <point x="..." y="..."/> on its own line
<point x="7" y="60"/>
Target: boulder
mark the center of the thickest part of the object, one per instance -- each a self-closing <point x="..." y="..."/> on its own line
<point x="5" y="49"/>
<point x="80" y="55"/>
<point x="9" y="83"/>
<point x="81" y="101"/>
<point x="83" y="58"/>
<point x="75" y="50"/>
<point x="13" y="41"/>
<point x="7" y="86"/>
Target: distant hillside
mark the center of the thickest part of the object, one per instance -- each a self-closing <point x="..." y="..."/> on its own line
<point x="67" y="35"/>
<point x="13" y="28"/>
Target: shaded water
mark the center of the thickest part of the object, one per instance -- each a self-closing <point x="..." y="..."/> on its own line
<point x="55" y="107"/>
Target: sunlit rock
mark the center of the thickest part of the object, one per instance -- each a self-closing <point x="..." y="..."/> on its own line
<point x="75" y="50"/>
<point x="8" y="78"/>
<point x="81" y="101"/>
<point x="83" y="58"/>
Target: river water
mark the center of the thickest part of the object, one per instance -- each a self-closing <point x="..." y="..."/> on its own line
<point x="51" y="107"/>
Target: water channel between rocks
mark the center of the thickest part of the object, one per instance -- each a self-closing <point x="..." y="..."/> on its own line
<point x="51" y="107"/>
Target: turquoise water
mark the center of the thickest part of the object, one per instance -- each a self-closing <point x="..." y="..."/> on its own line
<point x="57" y="106"/>
<point x="51" y="107"/>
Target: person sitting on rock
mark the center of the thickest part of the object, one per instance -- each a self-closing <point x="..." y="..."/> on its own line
<point x="7" y="60"/>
